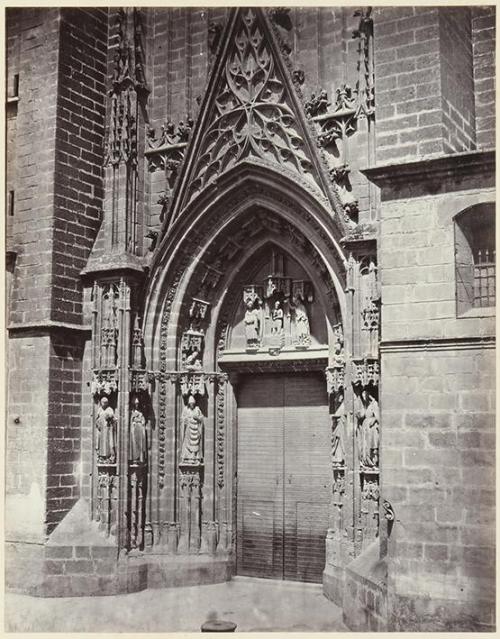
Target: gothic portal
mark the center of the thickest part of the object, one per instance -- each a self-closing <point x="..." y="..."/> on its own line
<point x="253" y="363"/>
<point x="259" y="295"/>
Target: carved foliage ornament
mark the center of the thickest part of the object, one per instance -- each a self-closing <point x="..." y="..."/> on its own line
<point x="104" y="382"/>
<point x="251" y="113"/>
<point x="365" y="371"/>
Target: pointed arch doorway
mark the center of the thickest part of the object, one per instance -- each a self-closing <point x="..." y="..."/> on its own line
<point x="278" y="349"/>
<point x="283" y="475"/>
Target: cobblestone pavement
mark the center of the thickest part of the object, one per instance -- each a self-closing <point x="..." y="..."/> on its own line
<point x="253" y="604"/>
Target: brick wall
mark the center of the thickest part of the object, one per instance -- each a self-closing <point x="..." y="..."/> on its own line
<point x="364" y="603"/>
<point x="78" y="188"/>
<point x="407" y="81"/>
<point x="13" y="50"/>
<point x="86" y="423"/>
<point x="81" y="570"/>
<point x="32" y="226"/>
<point x="457" y="83"/>
<point x="64" y="426"/>
<point x="483" y="43"/>
<point x="58" y="183"/>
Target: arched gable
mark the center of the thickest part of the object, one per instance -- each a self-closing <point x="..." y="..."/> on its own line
<point x="251" y="112"/>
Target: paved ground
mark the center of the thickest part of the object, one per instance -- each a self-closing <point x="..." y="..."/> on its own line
<point x="253" y="604"/>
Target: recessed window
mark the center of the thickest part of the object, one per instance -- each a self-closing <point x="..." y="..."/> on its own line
<point x="475" y="268"/>
<point x="15" y="86"/>
<point x="10" y="203"/>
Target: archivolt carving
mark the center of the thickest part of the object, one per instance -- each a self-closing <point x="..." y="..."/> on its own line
<point x="163" y="367"/>
<point x="207" y="279"/>
<point x="220" y="434"/>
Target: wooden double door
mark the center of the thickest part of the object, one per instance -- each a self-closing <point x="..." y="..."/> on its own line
<point x="284" y="476"/>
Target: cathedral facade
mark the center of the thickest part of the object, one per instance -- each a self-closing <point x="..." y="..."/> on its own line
<point x="251" y="297"/>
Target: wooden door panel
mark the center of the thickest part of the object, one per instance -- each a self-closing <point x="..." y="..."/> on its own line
<point x="260" y="477"/>
<point x="283" y="476"/>
<point x="261" y="544"/>
<point x="307" y="477"/>
<point x="312" y="523"/>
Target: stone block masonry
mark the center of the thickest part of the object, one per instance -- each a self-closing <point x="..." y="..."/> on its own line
<point x="417" y="259"/>
<point x="26" y="437"/>
<point x="438" y="461"/>
<point x="438" y="407"/>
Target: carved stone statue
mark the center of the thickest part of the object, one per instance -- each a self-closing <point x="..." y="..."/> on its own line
<point x="323" y="103"/>
<point x="193" y="361"/>
<point x="368" y="430"/>
<point x="192" y="349"/>
<point x="277" y="317"/>
<point x="192" y="433"/>
<point x="108" y="342"/>
<point x="252" y="325"/>
<point x="301" y="319"/>
<point x="138" y="434"/>
<point x="106" y="433"/>
<point x="338" y="427"/>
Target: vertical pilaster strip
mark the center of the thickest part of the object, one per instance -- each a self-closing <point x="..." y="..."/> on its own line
<point x="123" y="413"/>
<point x="188" y="61"/>
<point x="350" y="454"/>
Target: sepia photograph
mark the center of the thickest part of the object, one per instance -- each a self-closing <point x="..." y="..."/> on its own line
<point x="250" y="318"/>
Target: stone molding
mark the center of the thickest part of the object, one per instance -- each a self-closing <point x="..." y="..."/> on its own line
<point x="440" y="169"/>
<point x="242" y="363"/>
<point x="441" y="344"/>
<point x="48" y="325"/>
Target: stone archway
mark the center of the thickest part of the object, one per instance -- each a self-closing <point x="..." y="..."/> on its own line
<point x="196" y="286"/>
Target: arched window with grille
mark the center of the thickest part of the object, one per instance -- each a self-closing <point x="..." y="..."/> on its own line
<point x="475" y="257"/>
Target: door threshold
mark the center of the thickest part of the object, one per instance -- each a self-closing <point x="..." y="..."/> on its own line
<point x="274" y="582"/>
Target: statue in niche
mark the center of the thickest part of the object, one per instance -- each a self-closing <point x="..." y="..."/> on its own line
<point x="193" y="361"/>
<point x="192" y="433"/>
<point x="106" y="433"/>
<point x="139" y="443"/>
<point x="108" y="343"/>
<point x="368" y="429"/>
<point x="338" y="346"/>
<point x="252" y="325"/>
<point x="338" y="428"/>
<point x="301" y="320"/>
<point x="192" y="346"/>
<point x="277" y="317"/>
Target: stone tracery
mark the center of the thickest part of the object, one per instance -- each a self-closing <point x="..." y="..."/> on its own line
<point x="252" y="116"/>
